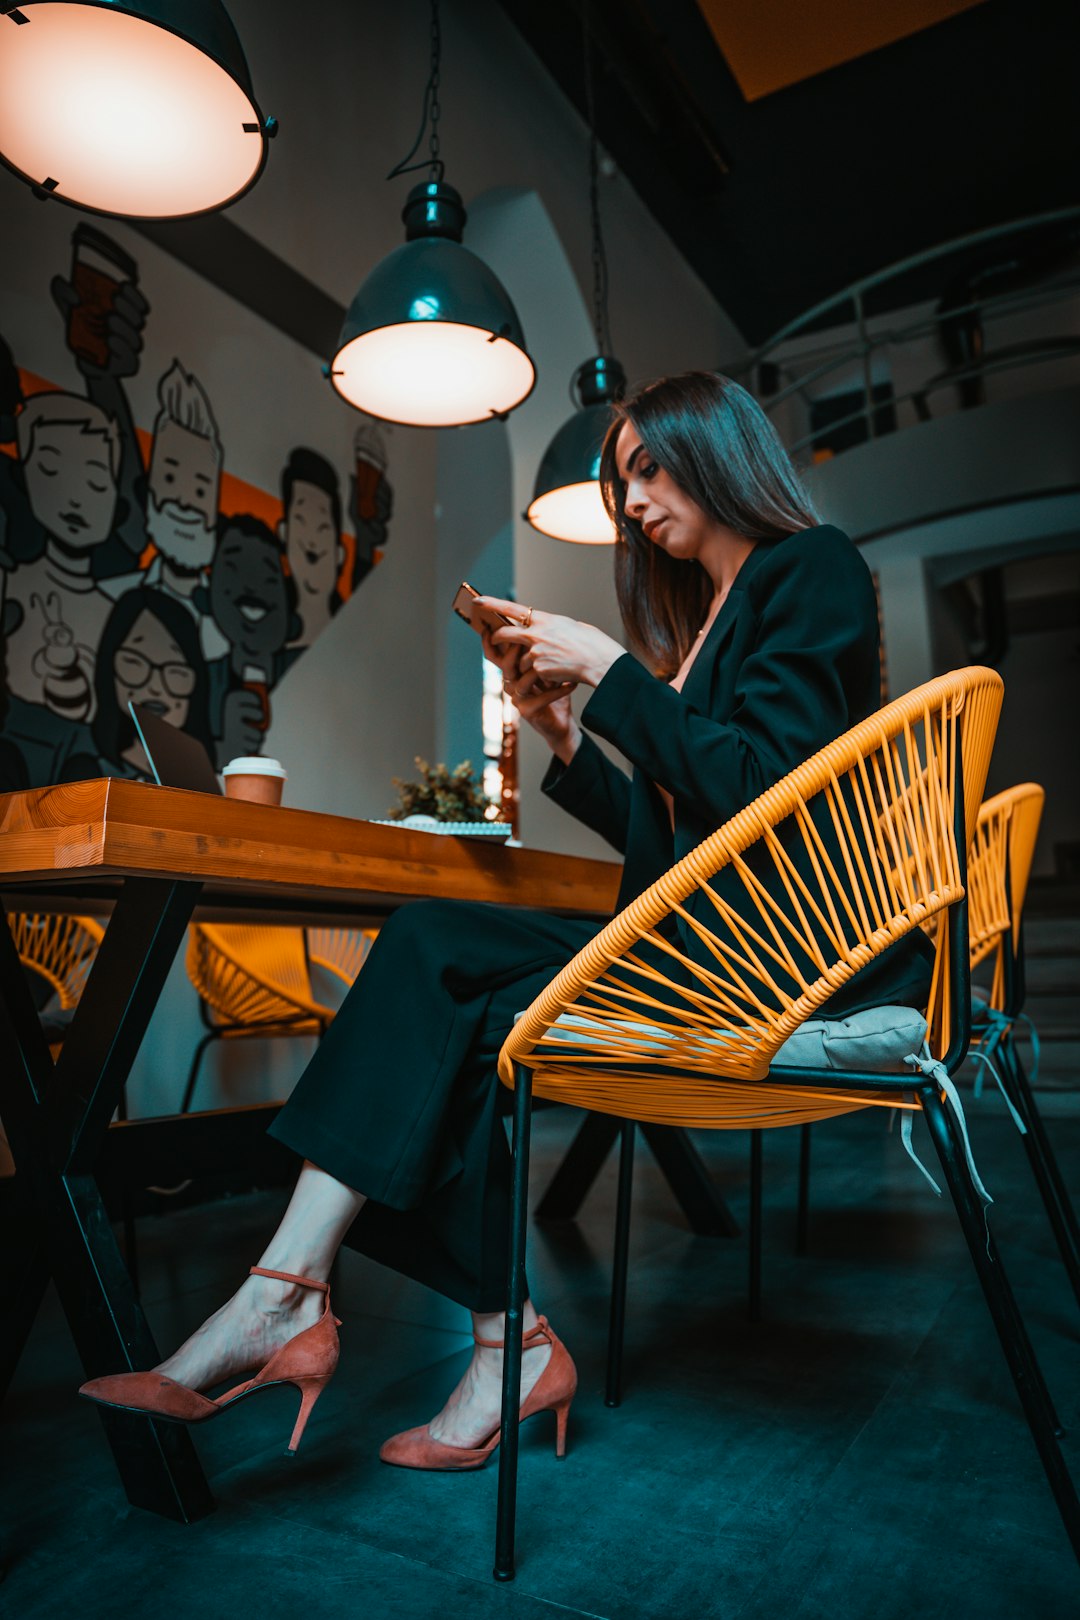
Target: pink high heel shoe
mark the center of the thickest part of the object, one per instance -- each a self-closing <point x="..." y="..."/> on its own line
<point x="308" y="1361"/>
<point x="553" y="1392"/>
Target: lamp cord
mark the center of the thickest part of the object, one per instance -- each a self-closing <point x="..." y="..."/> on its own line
<point x="601" y="325"/>
<point x="430" y="114"/>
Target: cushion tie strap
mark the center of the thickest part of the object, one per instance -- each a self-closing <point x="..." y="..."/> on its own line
<point x="985" y="1058"/>
<point x="936" y="1071"/>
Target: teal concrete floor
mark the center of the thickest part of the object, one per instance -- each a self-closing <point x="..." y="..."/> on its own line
<point x="859" y="1453"/>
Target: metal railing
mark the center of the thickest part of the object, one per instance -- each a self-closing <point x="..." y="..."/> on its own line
<point x="802" y="373"/>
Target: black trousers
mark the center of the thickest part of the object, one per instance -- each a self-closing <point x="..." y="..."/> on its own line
<point x="402" y="1101"/>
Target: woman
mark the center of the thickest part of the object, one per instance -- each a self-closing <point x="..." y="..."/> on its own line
<point x="763" y="628"/>
<point x="149" y="653"/>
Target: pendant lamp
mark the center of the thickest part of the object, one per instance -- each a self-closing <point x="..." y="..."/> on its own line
<point x="138" y="109"/>
<point x="567" y="503"/>
<point x="431" y="338"/>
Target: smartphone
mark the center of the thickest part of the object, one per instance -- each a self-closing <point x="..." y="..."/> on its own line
<point x="485" y="618"/>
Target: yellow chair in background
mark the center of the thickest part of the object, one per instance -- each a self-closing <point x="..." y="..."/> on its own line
<point x="340" y="951"/>
<point x="255" y="981"/>
<point x="252" y="982"/>
<point x="58" y="951"/>
<point x="858" y="847"/>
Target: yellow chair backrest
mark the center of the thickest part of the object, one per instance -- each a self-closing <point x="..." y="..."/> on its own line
<point x="851" y="851"/>
<point x="253" y="975"/>
<point x="341" y="951"/>
<point x="1005" y="836"/>
<point x="58" y="947"/>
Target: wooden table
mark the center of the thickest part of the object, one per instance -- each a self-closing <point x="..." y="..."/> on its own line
<point x="155" y="858"/>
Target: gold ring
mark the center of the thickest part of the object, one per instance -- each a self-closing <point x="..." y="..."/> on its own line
<point x="527" y="620"/>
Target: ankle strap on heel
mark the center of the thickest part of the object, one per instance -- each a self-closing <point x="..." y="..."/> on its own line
<point x="287" y="1276"/>
<point x="541" y="1332"/>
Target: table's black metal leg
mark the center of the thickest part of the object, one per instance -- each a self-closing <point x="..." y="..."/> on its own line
<point x="686" y="1173"/>
<point x="58" y="1118"/>
<point x="24" y="1277"/>
<point x="581" y="1165"/>
<point x="680" y="1163"/>
<point x="24" y="1071"/>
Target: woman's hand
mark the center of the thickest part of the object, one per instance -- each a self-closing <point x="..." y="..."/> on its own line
<point x="551" y="647"/>
<point x="548" y="711"/>
<point x="546" y="708"/>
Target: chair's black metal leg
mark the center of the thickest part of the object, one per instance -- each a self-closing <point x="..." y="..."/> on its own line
<point x="688" y="1177"/>
<point x="680" y="1163"/>
<point x="1044" y="1165"/>
<point x="506" y="1510"/>
<point x="1019" y="1329"/>
<point x="193" y="1072"/>
<point x="581" y="1165"/>
<point x="1003" y="1309"/>
<point x="617" y="1323"/>
<point x="802" y="1221"/>
<point x="754" y="1289"/>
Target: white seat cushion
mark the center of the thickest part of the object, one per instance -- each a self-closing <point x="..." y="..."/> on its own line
<point x="877" y="1040"/>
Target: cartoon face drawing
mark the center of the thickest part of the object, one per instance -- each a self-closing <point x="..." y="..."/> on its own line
<point x="312" y="543"/>
<point x="149" y="668"/>
<point x="249" y="596"/>
<point x="70" y="482"/>
<point x="182" y="498"/>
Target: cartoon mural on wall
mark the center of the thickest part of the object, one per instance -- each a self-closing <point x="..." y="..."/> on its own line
<point x="121" y="577"/>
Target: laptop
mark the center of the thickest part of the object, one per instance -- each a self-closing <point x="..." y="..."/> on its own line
<point x="177" y="760"/>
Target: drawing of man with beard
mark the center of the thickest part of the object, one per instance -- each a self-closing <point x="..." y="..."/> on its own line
<point x="182" y="499"/>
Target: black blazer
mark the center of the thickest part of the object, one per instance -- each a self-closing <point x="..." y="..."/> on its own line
<point x="791" y="662"/>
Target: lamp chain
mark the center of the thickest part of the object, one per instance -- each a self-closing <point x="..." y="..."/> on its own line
<point x="601" y="325"/>
<point x="430" y="113"/>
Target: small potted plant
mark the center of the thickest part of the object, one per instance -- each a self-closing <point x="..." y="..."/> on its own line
<point x="442" y="795"/>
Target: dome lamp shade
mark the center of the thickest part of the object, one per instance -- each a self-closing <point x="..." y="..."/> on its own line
<point x="145" y="110"/>
<point x="567" y="503"/>
<point x="431" y="338"/>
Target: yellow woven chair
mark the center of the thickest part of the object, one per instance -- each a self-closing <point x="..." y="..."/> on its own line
<point x="999" y="867"/>
<point x="252" y="981"/>
<point x="852" y="851"/>
<point x="340" y="951"/>
<point x="59" y="951"/>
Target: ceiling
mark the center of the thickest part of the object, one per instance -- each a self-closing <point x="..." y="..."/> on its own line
<point x="828" y="139"/>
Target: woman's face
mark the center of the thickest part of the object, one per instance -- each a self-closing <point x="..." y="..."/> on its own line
<point x="150" y="668"/>
<point x="666" y="513"/>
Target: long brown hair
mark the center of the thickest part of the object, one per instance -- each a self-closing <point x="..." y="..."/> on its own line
<point x="716" y="442"/>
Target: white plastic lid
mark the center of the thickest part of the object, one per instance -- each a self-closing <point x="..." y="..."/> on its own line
<point x="255" y="765"/>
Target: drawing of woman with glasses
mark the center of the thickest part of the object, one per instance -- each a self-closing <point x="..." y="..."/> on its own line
<point x="149" y="653"/>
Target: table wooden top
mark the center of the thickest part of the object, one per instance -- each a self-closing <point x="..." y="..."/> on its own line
<point x="83" y="835"/>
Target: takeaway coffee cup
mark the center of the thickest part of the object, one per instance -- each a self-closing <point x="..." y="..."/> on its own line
<point x="252" y="777"/>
